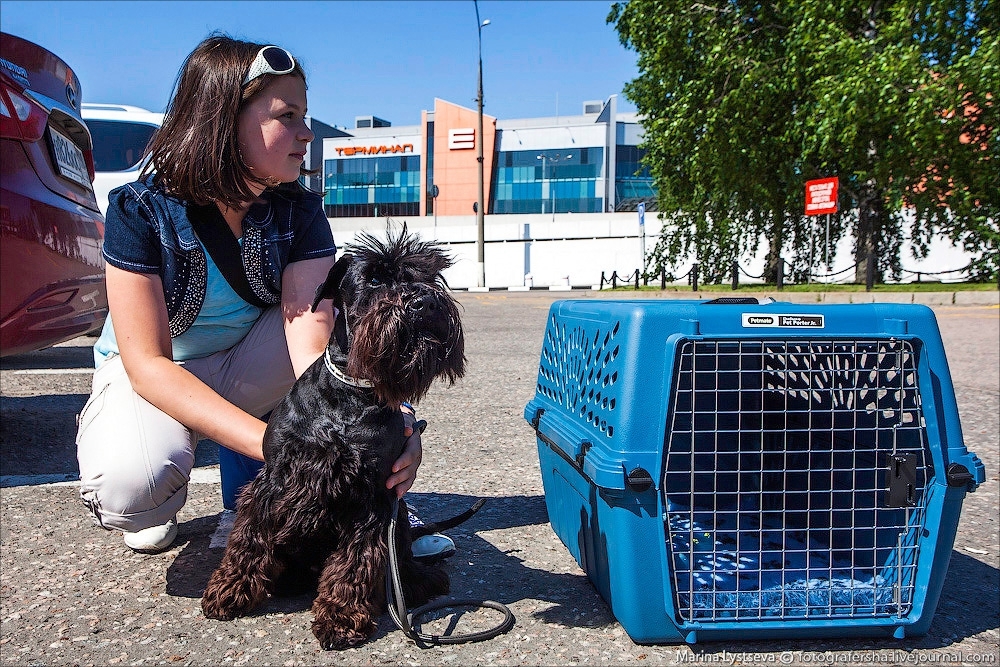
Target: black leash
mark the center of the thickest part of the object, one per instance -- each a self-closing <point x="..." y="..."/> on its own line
<point x="397" y="603"/>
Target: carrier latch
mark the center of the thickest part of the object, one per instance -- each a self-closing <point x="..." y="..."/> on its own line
<point x="902" y="478"/>
<point x="958" y="475"/>
<point x="584" y="448"/>
<point x="537" y="418"/>
<point x="639" y="480"/>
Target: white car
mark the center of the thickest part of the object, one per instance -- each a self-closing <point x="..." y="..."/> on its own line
<point x="120" y="134"/>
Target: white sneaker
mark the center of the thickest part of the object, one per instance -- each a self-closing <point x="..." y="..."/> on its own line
<point x="152" y="540"/>
<point x="429" y="548"/>
<point x="432" y="548"/>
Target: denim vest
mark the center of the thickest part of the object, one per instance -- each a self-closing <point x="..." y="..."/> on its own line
<point x="148" y="231"/>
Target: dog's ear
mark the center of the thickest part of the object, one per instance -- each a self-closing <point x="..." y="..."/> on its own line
<point x="328" y="290"/>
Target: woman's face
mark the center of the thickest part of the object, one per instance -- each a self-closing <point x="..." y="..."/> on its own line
<point x="272" y="131"/>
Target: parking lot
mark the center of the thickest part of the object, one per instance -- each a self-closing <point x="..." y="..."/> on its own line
<point x="71" y="593"/>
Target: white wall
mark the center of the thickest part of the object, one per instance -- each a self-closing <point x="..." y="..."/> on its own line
<point x="582" y="246"/>
<point x="508" y="258"/>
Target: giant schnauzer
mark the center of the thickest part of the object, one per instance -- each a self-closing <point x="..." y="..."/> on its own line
<point x="319" y="505"/>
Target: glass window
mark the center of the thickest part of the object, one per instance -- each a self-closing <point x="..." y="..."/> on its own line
<point x="373" y="186"/>
<point x="118" y="145"/>
<point x="567" y="182"/>
<point x="633" y="182"/>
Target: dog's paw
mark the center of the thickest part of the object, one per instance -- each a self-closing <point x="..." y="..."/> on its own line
<point x="336" y="636"/>
<point x="224" y="603"/>
<point x="426" y="583"/>
<point x="213" y="608"/>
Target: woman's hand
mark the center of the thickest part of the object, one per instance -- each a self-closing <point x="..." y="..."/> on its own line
<point x="404" y="470"/>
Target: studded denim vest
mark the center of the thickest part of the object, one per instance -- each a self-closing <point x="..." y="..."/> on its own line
<point x="148" y="231"/>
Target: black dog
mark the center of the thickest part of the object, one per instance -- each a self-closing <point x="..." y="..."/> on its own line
<point x="320" y="504"/>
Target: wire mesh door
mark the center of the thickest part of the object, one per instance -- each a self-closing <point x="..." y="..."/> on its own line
<point x="794" y="479"/>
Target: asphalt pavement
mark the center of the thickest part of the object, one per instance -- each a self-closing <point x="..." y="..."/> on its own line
<point x="73" y="594"/>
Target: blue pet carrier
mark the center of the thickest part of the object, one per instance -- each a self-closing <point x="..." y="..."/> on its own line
<point x="741" y="470"/>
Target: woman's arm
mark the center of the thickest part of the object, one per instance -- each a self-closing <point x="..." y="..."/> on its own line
<point x="307" y="333"/>
<point x="142" y="329"/>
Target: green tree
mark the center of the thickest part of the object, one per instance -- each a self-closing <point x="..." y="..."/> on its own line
<point x="745" y="101"/>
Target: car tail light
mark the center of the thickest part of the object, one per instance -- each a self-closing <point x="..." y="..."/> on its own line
<point x="20" y="116"/>
<point x="88" y="155"/>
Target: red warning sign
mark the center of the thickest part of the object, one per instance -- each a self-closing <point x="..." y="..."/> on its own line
<point x="821" y="196"/>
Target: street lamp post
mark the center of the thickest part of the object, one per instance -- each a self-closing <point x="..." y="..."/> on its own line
<point x="375" y="189"/>
<point x="543" y="158"/>
<point x="480" y="208"/>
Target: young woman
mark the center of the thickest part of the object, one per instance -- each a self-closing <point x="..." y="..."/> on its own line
<point x="184" y="353"/>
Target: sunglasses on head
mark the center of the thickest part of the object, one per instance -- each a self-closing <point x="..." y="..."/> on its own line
<point x="270" y="60"/>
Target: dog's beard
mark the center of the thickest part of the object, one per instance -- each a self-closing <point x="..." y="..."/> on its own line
<point x="402" y="358"/>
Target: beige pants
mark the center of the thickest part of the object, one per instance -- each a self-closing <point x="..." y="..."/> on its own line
<point x="135" y="460"/>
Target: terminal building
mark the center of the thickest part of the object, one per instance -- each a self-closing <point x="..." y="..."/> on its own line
<point x="588" y="163"/>
<point x="561" y="193"/>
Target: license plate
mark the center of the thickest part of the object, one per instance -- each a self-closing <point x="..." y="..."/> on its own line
<point x="69" y="158"/>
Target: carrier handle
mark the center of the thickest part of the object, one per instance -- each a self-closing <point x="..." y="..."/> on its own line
<point x="740" y="300"/>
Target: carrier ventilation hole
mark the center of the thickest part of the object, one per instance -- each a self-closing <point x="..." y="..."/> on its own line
<point x="578" y="370"/>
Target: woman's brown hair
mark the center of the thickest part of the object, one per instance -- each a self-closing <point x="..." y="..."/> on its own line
<point x="195" y="154"/>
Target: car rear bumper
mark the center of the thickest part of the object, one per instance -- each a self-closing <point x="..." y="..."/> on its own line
<point x="51" y="264"/>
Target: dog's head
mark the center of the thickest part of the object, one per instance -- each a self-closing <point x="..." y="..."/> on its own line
<point x="398" y="326"/>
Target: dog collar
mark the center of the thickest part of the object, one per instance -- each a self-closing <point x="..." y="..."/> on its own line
<point x="341" y="375"/>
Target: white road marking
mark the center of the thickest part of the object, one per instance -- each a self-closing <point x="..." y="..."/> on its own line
<point x="65" y="479"/>
<point x="52" y="371"/>
<point x="207" y="475"/>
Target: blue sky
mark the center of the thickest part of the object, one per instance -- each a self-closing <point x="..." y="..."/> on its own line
<point x="390" y="59"/>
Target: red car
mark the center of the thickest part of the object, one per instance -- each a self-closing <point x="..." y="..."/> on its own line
<point x="51" y="228"/>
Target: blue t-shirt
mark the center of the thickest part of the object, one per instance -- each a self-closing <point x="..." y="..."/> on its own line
<point x="222" y="322"/>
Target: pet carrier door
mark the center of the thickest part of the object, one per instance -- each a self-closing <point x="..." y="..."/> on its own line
<point x="782" y="463"/>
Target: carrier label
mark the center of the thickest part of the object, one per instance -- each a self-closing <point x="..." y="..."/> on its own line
<point x="783" y="320"/>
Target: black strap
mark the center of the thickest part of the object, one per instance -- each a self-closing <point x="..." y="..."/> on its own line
<point x="214" y="233"/>
<point x="404" y="619"/>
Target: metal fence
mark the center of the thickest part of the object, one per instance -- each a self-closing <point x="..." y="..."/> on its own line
<point x="785" y="269"/>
